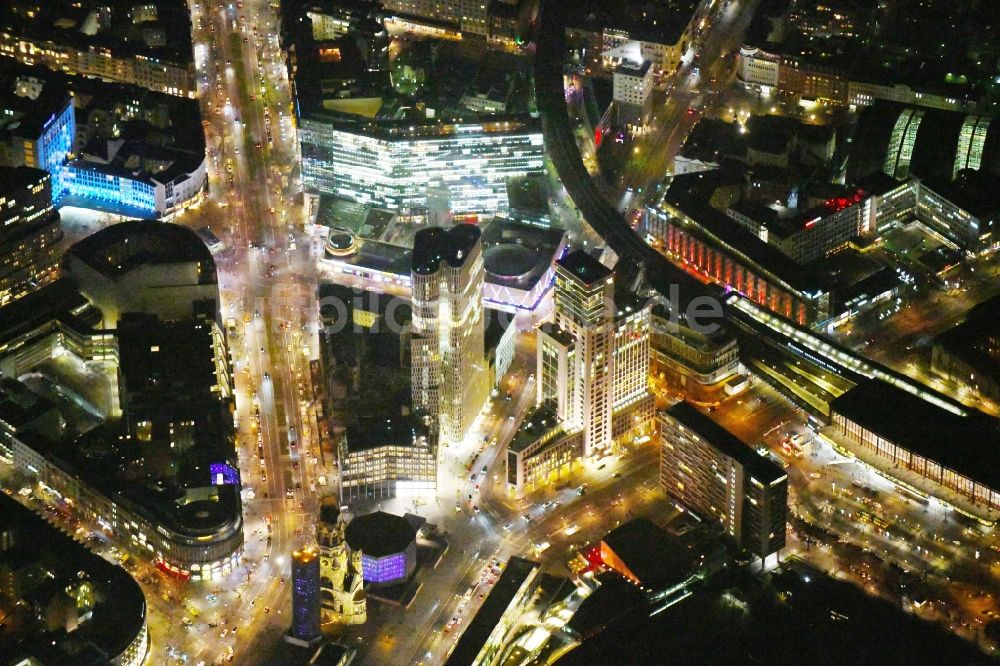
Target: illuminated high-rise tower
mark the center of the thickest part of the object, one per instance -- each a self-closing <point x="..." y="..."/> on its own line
<point x="305" y="596"/>
<point x="449" y="374"/>
<point x="584" y="300"/>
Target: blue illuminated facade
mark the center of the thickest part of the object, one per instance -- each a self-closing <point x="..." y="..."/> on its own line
<point x="305" y="595"/>
<point x="53" y="147"/>
<point x="113" y="189"/>
<point x="383" y="570"/>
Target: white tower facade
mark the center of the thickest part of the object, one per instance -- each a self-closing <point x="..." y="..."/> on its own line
<point x="448" y="372"/>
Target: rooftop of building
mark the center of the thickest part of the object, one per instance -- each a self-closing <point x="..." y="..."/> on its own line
<point x="119" y="613"/>
<point x="515" y="573"/>
<point x="615" y="598"/>
<point x="935" y="145"/>
<point x="763" y="23"/>
<point x="657" y="559"/>
<point x="380" y="534"/>
<point x="754" y="464"/>
<point x="643" y="20"/>
<point x="452" y="246"/>
<point x="376" y="408"/>
<point x="19" y="406"/>
<point x="660" y="317"/>
<point x="537" y="423"/>
<point x="771" y="134"/>
<point x="56" y="300"/>
<point x="880" y="43"/>
<point x="170" y="488"/>
<point x="973" y="340"/>
<point x="168" y="370"/>
<point x="370" y="431"/>
<point x="629" y="68"/>
<point x="982" y="321"/>
<point x="361" y="220"/>
<point x="381" y="257"/>
<point x="784" y="222"/>
<point x="27" y="108"/>
<point x="121" y="248"/>
<point x="557" y="333"/>
<point x="19" y="178"/>
<point x="693" y="194"/>
<point x="141" y="161"/>
<point x="496" y="327"/>
<point x="584" y="267"/>
<point x="871" y="286"/>
<point x="383" y="306"/>
<point x="712" y="140"/>
<point x="528" y="194"/>
<point x="409" y="129"/>
<point x="706" y="628"/>
<point x="627" y="302"/>
<point x="152" y="127"/>
<point x="956" y="442"/>
<point x="161" y="32"/>
<point x="496" y="77"/>
<point x="974" y="191"/>
<point x="518" y="255"/>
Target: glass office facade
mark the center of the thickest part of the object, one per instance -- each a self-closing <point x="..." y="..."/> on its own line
<point x="459" y="167"/>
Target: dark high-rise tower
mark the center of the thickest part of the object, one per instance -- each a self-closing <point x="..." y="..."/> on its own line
<point x="29" y="230"/>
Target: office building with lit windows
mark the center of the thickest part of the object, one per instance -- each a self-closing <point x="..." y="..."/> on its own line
<point x="707" y="241"/>
<point x="447" y="355"/>
<point x="687" y="359"/>
<point x="333" y="19"/>
<point x="584" y="300"/>
<point x="592" y="366"/>
<point x="710" y="472"/>
<point x="935" y="448"/>
<point x="767" y="70"/>
<point x="147" y="45"/>
<point x="108" y="146"/>
<point x="49" y="321"/>
<point x="383" y="456"/>
<point x="933" y="168"/>
<point x="469" y="16"/>
<point x="29" y="230"/>
<point x="154" y="285"/>
<point x="177" y="183"/>
<point x="632" y="83"/>
<point x="305" y="629"/>
<point x="438" y="166"/>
